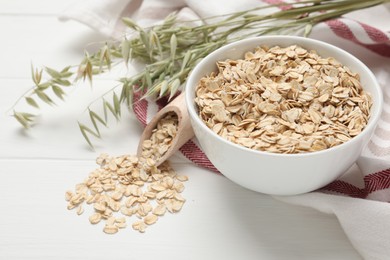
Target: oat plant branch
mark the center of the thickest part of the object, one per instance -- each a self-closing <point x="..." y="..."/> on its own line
<point x="169" y="51"/>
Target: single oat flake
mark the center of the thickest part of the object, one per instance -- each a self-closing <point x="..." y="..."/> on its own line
<point x="283" y="100"/>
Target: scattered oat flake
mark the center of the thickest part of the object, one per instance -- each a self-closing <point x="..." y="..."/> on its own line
<point x="121" y="225"/>
<point x="159" y="210"/>
<point x="68" y="195"/>
<point x="95" y="218"/>
<point x="110" y="229"/>
<point x="150" y="219"/>
<point x="182" y="178"/>
<point x="128" y="186"/>
<point x="139" y="226"/>
<point x="80" y="210"/>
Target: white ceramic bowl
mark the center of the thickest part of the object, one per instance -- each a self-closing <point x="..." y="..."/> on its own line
<point x="281" y="174"/>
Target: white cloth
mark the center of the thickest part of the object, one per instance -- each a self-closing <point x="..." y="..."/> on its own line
<point x="365" y="220"/>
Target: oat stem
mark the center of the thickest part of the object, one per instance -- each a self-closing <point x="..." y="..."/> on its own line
<point x="171" y="50"/>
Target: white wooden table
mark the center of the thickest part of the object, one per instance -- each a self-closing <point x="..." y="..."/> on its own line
<point x="220" y="220"/>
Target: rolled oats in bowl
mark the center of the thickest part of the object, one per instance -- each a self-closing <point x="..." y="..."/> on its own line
<point x="285" y="119"/>
<point x="283" y="100"/>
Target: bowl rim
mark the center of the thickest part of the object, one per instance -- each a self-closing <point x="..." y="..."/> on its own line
<point x="372" y="123"/>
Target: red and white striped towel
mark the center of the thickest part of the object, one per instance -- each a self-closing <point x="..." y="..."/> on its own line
<point x="360" y="199"/>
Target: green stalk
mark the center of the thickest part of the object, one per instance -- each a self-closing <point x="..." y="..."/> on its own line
<point x="171" y="50"/>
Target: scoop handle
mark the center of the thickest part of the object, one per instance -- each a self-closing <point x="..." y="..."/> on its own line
<point x="184" y="129"/>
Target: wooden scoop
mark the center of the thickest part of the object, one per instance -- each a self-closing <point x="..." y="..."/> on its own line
<point x="184" y="129"/>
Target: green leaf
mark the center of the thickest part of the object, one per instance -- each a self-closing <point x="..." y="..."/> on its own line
<point x="107" y="58"/>
<point x="174" y="86"/>
<point x="148" y="78"/>
<point x="129" y="100"/>
<point x="43" y="86"/>
<point x="28" y="116"/>
<point x="105" y="110"/>
<point x="45" y="98"/>
<point x="170" y="68"/>
<point x="65" y="75"/>
<point x="145" y="40"/>
<point x="95" y="117"/>
<point x="186" y="59"/>
<point x="173" y="44"/>
<point x="25" y="119"/>
<point x="81" y="72"/>
<point x="130" y="23"/>
<point x="21" y="120"/>
<point x="104" y="57"/>
<point x="34" y="78"/>
<point x="36" y="75"/>
<point x="108" y="106"/>
<point x="65" y="70"/>
<point x="126" y="91"/>
<point x="161" y="77"/>
<point x="126" y="51"/>
<point x="85" y="130"/>
<point x="88" y="71"/>
<point x="156" y="42"/>
<point x="62" y="82"/>
<point x="31" y="102"/>
<point x="170" y="20"/>
<point x="308" y="29"/>
<point x="117" y="105"/>
<point x="53" y="73"/>
<point x="58" y="91"/>
<point x="163" y="88"/>
<point x="85" y="69"/>
<point x="116" y="53"/>
<point x="97" y="71"/>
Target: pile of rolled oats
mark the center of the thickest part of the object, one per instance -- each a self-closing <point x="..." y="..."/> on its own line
<point x="283" y="100"/>
<point x="126" y="186"/>
<point x="161" y="138"/>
